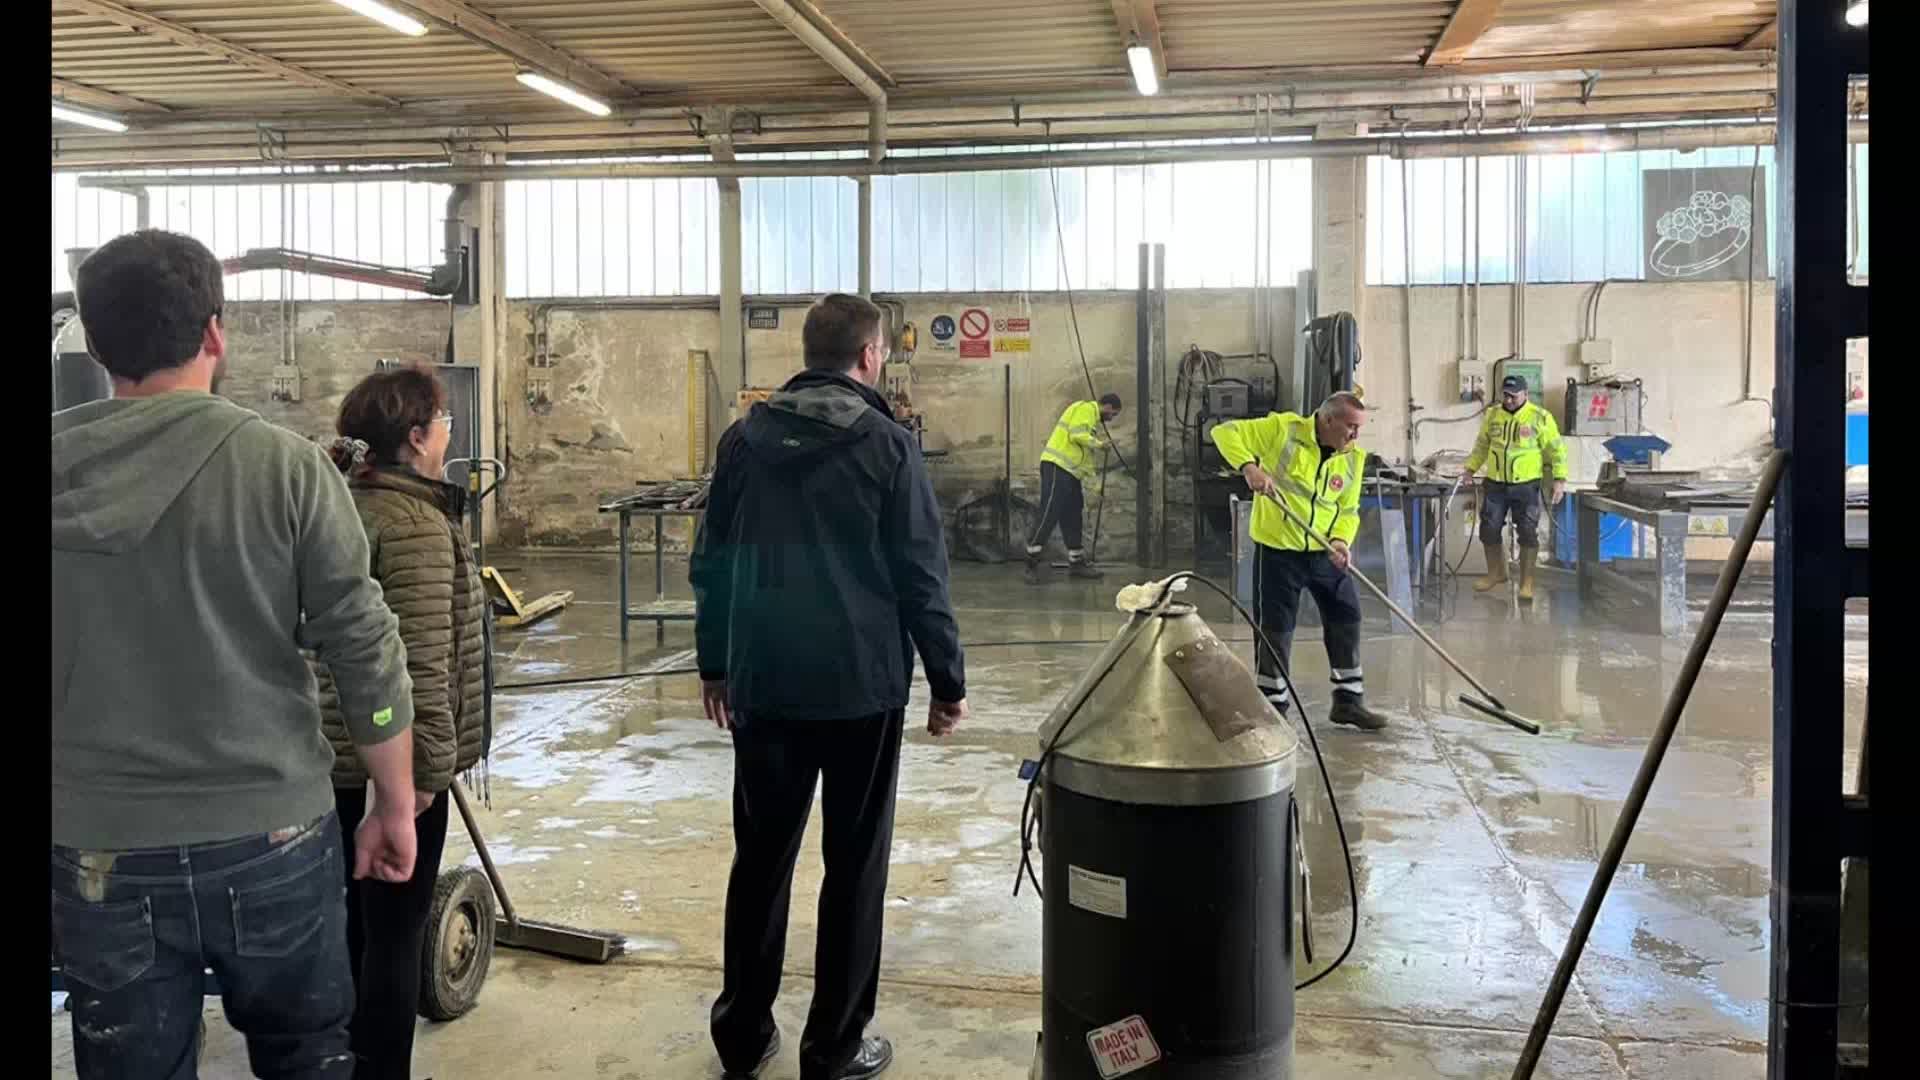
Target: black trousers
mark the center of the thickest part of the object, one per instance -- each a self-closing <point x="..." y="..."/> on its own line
<point x="776" y="765"/>
<point x="1062" y="503"/>
<point x="1278" y="579"/>
<point x="386" y="931"/>
<point x="1522" y="501"/>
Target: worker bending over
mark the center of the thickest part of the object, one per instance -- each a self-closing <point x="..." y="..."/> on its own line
<point x="1065" y="466"/>
<point x="1313" y="465"/>
<point x="1513" y="440"/>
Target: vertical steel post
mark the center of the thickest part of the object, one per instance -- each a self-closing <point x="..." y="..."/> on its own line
<point x="1816" y="312"/>
<point x="1142" y="423"/>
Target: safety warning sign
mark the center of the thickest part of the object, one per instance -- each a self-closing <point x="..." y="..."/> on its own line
<point x="1122" y="1048"/>
<point x="976" y="330"/>
<point x="1013" y="335"/>
<point x="943" y="329"/>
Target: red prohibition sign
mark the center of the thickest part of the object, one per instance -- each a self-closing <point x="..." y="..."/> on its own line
<point x="974" y="323"/>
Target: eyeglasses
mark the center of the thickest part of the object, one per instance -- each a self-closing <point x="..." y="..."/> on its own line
<point x="443" y="418"/>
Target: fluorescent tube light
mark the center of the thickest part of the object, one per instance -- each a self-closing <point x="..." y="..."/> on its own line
<point x="93" y="120"/>
<point x="564" y="92"/>
<point x="385" y="16"/>
<point x="1145" y="78"/>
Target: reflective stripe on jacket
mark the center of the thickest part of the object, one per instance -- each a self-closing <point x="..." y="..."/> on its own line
<point x="1512" y="445"/>
<point x="1325" y="492"/>
<point x="1075" y="437"/>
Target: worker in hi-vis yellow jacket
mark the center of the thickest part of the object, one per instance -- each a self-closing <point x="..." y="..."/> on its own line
<point x="1312" y="464"/>
<point x="1515" y="440"/>
<point x="1066" y="466"/>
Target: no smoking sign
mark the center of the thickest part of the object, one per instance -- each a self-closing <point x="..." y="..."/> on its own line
<point x="976" y="334"/>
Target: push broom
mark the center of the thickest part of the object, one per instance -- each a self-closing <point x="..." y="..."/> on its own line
<point x="1492" y="705"/>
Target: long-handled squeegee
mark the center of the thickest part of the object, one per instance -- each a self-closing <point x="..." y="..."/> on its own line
<point x="1492" y="706"/>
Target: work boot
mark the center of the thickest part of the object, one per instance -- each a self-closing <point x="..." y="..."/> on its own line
<point x="1085" y="571"/>
<point x="875" y="1055"/>
<point x="773" y="1049"/>
<point x="1496" y="569"/>
<point x="1036" y="569"/>
<point x="1529" y="559"/>
<point x="1351" y="709"/>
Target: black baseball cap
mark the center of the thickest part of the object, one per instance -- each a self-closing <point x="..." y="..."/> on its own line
<point x="1512" y="383"/>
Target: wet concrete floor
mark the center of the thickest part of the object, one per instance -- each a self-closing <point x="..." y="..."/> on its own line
<point x="1472" y="842"/>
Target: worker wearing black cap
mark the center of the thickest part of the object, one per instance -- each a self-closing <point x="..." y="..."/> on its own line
<point x="1515" y="440"/>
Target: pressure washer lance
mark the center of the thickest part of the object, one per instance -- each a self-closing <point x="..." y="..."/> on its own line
<point x="1492" y="706"/>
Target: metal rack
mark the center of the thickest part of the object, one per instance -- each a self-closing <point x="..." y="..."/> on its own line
<point x="1815" y="825"/>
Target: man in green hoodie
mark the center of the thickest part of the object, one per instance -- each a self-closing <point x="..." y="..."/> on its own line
<point x="197" y="549"/>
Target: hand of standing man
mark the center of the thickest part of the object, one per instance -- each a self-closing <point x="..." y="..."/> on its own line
<point x="944" y="716"/>
<point x="713" y="696"/>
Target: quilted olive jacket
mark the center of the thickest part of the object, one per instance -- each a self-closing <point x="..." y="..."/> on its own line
<point x="422" y="561"/>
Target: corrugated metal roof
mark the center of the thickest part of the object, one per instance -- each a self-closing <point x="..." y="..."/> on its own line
<point x="676" y="53"/>
<point x="1571" y="27"/>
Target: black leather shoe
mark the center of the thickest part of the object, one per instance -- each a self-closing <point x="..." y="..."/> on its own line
<point x="773" y="1048"/>
<point x="1084" y="572"/>
<point x="1353" y="712"/>
<point x="875" y="1055"/>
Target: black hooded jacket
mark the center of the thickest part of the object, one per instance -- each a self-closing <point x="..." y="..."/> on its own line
<point x="822" y="562"/>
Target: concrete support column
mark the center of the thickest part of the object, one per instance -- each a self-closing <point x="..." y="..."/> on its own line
<point x="1340" y="226"/>
<point x="732" y="353"/>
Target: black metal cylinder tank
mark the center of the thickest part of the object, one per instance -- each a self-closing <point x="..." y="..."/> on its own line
<point x="77" y="377"/>
<point x="1179" y="915"/>
<point x="1167" y="857"/>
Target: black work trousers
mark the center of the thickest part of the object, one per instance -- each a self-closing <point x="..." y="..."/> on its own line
<point x="386" y="932"/>
<point x="1278" y="579"/>
<point x="1062" y="503"/>
<point x="776" y="765"/>
<point x="1498" y="501"/>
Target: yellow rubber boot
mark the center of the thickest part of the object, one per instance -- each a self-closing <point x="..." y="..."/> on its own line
<point x="1496" y="569"/>
<point x="1529" y="558"/>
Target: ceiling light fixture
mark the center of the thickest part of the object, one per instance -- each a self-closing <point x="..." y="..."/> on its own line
<point x="91" y="119"/>
<point x="1140" y="59"/>
<point x="1857" y="13"/>
<point x="554" y="88"/>
<point x="385" y="16"/>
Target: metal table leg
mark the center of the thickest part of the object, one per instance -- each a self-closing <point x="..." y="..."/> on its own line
<point x="626" y="521"/>
<point x="659" y="580"/>
<point x="1587" y="554"/>
<point x="1670" y="555"/>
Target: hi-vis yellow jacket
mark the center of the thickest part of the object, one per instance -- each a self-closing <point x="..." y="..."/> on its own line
<point x="1074" y="440"/>
<point x="1324" y="492"/>
<point x="1512" y="445"/>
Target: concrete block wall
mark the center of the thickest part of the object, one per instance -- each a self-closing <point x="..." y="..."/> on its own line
<point x="617" y="409"/>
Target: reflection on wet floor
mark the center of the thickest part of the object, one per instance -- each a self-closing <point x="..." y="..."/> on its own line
<point x="1473" y="843"/>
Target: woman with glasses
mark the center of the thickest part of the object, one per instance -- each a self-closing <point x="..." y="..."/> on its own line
<point x="394" y="430"/>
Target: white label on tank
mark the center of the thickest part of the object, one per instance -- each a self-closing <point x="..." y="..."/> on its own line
<point x="1122" y="1048"/>
<point x="1102" y="894"/>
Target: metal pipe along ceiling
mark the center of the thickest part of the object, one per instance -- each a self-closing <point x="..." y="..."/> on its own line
<point x="1673" y="137"/>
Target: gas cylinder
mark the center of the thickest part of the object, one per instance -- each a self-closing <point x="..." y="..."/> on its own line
<point x="1167" y="784"/>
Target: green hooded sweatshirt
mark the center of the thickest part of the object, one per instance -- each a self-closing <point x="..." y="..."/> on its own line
<point x="196" y="550"/>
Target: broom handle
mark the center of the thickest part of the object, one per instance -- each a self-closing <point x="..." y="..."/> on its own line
<point x="1391" y="606"/>
<point x="480" y="847"/>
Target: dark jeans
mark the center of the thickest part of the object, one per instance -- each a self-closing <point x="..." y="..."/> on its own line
<point x="1062" y="503"/>
<point x="1278" y="578"/>
<point x="1522" y="501"/>
<point x="776" y="764"/>
<point x="136" y="931"/>
<point x="386" y="930"/>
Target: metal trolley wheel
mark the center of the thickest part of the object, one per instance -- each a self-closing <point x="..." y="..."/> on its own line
<point x="459" y="945"/>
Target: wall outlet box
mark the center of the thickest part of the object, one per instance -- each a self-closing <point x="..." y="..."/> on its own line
<point x="286" y="382"/>
<point x="1596" y="357"/>
<point x="1473" y="381"/>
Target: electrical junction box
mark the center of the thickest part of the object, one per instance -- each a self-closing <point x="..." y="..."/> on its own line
<point x="1596" y="356"/>
<point x="1607" y="408"/>
<point x="1473" y="381"/>
<point x="1532" y="372"/>
<point x="286" y="383"/>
